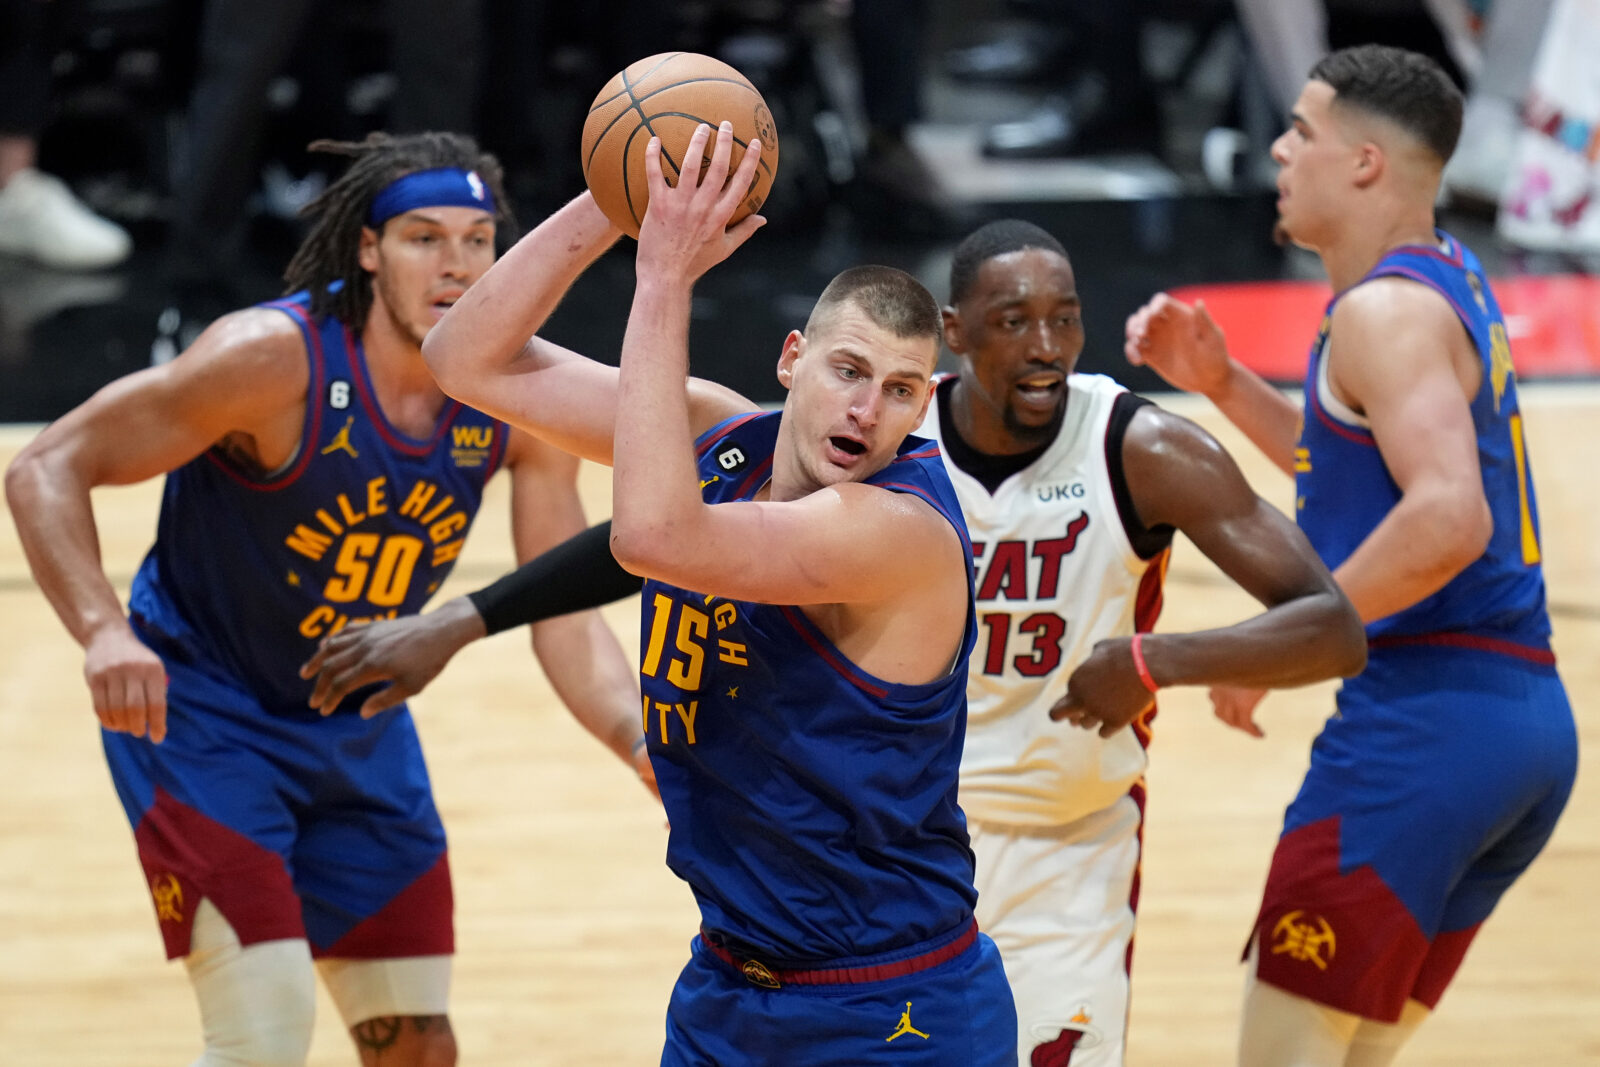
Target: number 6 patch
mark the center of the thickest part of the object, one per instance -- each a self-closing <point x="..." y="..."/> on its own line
<point x="731" y="459"/>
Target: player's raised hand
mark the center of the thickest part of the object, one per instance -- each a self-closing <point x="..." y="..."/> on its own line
<point x="1183" y="344"/>
<point x="128" y="683"/>
<point x="407" y="653"/>
<point x="1105" y="690"/>
<point x="1236" y="706"/>
<point x="685" y="231"/>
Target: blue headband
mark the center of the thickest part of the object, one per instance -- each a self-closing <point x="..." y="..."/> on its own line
<point x="441" y="187"/>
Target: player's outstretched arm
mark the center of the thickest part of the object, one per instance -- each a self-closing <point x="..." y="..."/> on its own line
<point x="1186" y="347"/>
<point x="1179" y="476"/>
<point x="486" y="352"/>
<point x="1400" y="356"/>
<point x="246" y="374"/>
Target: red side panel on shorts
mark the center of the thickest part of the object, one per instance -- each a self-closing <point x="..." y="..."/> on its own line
<point x="1444" y="959"/>
<point x="188" y="856"/>
<point x="1344" y="940"/>
<point x="419" y="921"/>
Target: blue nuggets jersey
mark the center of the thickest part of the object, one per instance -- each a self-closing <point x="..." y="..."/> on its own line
<point x="1344" y="489"/>
<point x="813" y="806"/>
<point x="250" y="570"/>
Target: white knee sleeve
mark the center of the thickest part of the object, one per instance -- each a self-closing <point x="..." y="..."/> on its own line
<point x="257" y="1004"/>
<point x="1280" y="1029"/>
<point x="377" y="989"/>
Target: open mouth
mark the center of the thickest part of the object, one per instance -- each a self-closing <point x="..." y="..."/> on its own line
<point x="848" y="445"/>
<point x="1041" y="388"/>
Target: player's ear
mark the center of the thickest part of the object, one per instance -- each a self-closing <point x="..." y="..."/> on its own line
<point x="954" y="337"/>
<point x="793" y="346"/>
<point x="1369" y="164"/>
<point x="367" y="253"/>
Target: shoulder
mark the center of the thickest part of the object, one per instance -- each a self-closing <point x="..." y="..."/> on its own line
<point x="1391" y="303"/>
<point x="256" y="356"/>
<point x="1156" y="437"/>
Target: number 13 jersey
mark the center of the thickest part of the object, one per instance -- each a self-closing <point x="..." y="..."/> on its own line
<point x="1056" y="572"/>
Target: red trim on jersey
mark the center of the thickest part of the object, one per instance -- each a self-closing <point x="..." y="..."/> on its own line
<point x="417" y="922"/>
<point x="502" y="442"/>
<point x="1147" y="605"/>
<point x="755" y="970"/>
<point x="1137" y="793"/>
<point x="761" y="470"/>
<point x="392" y="436"/>
<point x="1348" y="432"/>
<point x="1396" y="270"/>
<point x="1477" y="643"/>
<point x="312" y="429"/>
<point x="929" y="451"/>
<point x="829" y="654"/>
<point x="188" y="856"/>
<point x="728" y="427"/>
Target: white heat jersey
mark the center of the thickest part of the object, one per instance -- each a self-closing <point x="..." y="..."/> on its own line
<point x="1055" y="574"/>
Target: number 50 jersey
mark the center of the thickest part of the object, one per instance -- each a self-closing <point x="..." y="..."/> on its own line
<point x="1056" y="572"/>
<point x="251" y="569"/>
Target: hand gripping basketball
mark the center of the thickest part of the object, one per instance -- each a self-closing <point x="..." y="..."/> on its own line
<point x="669" y="96"/>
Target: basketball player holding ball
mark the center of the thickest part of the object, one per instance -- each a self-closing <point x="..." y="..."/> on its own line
<point x="808" y="615"/>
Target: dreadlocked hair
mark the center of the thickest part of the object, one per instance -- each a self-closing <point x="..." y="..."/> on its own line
<point x="331" y="250"/>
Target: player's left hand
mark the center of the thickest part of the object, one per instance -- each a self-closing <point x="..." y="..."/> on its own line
<point x="1105" y="690"/>
<point x="685" y="230"/>
<point x="408" y="653"/>
<point x="1236" y="706"/>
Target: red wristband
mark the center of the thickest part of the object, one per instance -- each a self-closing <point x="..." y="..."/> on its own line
<point x="1140" y="665"/>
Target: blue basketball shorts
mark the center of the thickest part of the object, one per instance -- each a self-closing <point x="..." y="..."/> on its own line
<point x="1432" y="788"/>
<point x="944" y="1003"/>
<point x="314" y="828"/>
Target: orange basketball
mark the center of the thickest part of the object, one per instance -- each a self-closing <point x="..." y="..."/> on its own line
<point x="667" y="96"/>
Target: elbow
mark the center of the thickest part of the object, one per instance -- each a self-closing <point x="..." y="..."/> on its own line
<point x="1352" y="640"/>
<point x="23" y="478"/>
<point x="640" y="547"/>
<point x="436" y="354"/>
<point x="444" y="355"/>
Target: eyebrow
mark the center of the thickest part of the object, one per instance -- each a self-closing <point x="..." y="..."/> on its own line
<point x="420" y="215"/>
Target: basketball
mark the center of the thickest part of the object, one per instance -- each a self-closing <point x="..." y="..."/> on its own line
<point x="668" y="96"/>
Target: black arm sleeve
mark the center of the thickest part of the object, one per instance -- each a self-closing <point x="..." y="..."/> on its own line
<point x="578" y="574"/>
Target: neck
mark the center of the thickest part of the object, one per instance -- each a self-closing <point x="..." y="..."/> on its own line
<point x="400" y="377"/>
<point x="1349" y="257"/>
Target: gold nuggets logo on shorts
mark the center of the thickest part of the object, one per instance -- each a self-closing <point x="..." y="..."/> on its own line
<point x="756" y="973"/>
<point x="1304" y="940"/>
<point x="168" y="895"/>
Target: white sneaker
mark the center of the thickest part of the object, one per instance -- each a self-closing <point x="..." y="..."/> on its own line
<point x="41" y="220"/>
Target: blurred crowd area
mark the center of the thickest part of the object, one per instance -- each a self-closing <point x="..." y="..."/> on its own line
<point x="183" y="124"/>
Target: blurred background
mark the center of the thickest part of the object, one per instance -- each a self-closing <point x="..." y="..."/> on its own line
<point x="161" y="146"/>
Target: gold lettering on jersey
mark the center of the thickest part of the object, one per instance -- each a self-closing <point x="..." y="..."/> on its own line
<point x="1304" y="940"/>
<point x="1501" y="370"/>
<point x="1302" y="460"/>
<point x="374" y="568"/>
<point x="733" y="652"/>
<point x="471" y="445"/>
<point x="324" y="620"/>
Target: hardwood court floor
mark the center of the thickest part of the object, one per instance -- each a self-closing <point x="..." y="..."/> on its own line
<point x="570" y="928"/>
